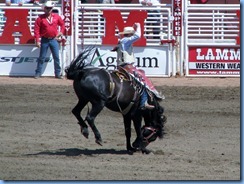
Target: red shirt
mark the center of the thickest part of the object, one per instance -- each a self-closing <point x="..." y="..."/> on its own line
<point x="48" y="27"/>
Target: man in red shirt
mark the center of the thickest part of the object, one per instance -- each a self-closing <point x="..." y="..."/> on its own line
<point x="48" y="30"/>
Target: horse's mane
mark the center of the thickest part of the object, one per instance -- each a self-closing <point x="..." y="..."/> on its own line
<point x="79" y="63"/>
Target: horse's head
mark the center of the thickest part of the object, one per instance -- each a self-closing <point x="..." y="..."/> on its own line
<point x="154" y="128"/>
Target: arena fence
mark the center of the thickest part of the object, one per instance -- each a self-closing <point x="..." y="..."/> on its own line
<point x="211" y="40"/>
<point x="184" y="39"/>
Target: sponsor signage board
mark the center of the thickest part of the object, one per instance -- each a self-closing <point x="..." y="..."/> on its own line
<point x="153" y="60"/>
<point x="21" y="60"/>
<point x="216" y="61"/>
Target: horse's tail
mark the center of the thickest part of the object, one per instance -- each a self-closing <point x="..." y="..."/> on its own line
<point x="78" y="64"/>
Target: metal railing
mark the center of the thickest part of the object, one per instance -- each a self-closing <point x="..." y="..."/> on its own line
<point x="213" y="24"/>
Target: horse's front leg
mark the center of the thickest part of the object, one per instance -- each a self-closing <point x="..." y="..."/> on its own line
<point x="138" y="143"/>
<point x="127" y="126"/>
<point x="90" y="118"/>
<point x="76" y="111"/>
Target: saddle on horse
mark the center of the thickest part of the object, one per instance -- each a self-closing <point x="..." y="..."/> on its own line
<point x="141" y="77"/>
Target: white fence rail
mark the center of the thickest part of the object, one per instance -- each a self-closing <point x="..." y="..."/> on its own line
<point x="211" y="24"/>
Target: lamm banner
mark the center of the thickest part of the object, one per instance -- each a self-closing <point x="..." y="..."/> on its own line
<point x="214" y="61"/>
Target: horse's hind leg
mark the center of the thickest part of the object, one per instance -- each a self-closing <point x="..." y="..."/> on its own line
<point x="90" y="118"/>
<point x="76" y="111"/>
<point x="127" y="126"/>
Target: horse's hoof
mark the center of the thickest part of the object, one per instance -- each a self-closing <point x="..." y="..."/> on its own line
<point x="136" y="145"/>
<point x="99" y="141"/>
<point x="145" y="151"/>
<point x="84" y="132"/>
<point x="130" y="152"/>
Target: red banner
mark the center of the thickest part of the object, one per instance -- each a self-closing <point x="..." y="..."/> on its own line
<point x="214" y="61"/>
<point x="114" y="19"/>
<point x="177" y="23"/>
<point x="67" y="13"/>
<point x="13" y="16"/>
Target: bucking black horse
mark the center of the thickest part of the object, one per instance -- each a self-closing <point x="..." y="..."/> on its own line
<point x="119" y="92"/>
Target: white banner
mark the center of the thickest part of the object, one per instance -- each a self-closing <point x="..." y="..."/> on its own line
<point x="214" y="66"/>
<point x="21" y="60"/>
<point x="153" y="60"/>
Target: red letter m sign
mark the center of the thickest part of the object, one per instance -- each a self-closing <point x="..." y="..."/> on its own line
<point x="114" y="19"/>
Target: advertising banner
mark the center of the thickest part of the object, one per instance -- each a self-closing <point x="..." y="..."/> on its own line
<point x="153" y="60"/>
<point x="216" y="61"/>
<point x="21" y="60"/>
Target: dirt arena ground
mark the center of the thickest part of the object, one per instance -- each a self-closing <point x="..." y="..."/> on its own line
<point x="40" y="138"/>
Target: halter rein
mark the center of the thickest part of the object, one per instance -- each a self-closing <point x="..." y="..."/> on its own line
<point x="154" y="130"/>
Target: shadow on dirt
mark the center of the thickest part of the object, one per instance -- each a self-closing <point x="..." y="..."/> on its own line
<point x="78" y="152"/>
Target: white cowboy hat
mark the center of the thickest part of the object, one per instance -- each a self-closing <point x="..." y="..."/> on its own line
<point x="128" y="30"/>
<point x="49" y="4"/>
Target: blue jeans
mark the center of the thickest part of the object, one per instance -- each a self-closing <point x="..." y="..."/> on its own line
<point x="143" y="98"/>
<point x="54" y="47"/>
